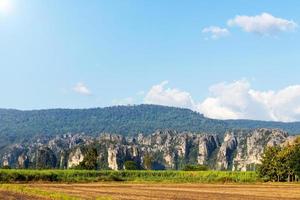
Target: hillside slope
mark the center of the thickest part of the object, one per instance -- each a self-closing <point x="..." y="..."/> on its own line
<point x="18" y="125"/>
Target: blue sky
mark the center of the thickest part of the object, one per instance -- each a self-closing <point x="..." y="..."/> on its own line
<point x="75" y="54"/>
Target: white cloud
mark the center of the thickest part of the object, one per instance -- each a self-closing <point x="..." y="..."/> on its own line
<point x="82" y="89"/>
<point x="264" y="24"/>
<point x="232" y="101"/>
<point x="282" y="105"/>
<point x="161" y="95"/>
<point x="216" y="32"/>
<point x="236" y="100"/>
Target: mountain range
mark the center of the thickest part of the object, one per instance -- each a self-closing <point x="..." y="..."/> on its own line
<point x="17" y="125"/>
<point x="174" y="137"/>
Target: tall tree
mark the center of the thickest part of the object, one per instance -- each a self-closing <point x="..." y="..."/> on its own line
<point x="90" y="161"/>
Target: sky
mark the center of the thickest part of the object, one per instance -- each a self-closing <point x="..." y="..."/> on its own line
<point x="235" y="59"/>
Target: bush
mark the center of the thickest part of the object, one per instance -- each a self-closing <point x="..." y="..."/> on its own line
<point x="148" y="162"/>
<point x="195" y="168"/>
<point x="131" y="165"/>
<point x="90" y="160"/>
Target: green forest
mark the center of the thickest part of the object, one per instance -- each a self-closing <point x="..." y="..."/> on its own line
<point x="16" y="125"/>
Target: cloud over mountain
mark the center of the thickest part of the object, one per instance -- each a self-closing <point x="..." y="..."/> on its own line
<point x="236" y="100"/>
<point x="161" y="95"/>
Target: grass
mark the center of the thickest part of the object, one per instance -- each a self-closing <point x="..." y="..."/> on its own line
<point x="36" y="192"/>
<point x="77" y="176"/>
<point x="21" y="189"/>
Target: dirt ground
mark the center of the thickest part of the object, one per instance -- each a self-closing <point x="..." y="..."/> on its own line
<point x="5" y="195"/>
<point x="126" y="191"/>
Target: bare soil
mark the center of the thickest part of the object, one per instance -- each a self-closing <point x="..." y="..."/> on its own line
<point x="158" y="191"/>
<point x="6" y="195"/>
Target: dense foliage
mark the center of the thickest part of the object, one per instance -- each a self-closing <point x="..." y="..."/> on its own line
<point x="46" y="159"/>
<point x="10" y="176"/>
<point x="195" y="168"/>
<point x="16" y="126"/>
<point x="90" y="160"/>
<point x="148" y="162"/>
<point x="131" y="165"/>
<point x="281" y="163"/>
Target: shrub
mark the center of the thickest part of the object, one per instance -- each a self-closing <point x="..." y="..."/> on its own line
<point x="90" y="160"/>
<point x="131" y="165"/>
<point x="195" y="168"/>
<point x="148" y="162"/>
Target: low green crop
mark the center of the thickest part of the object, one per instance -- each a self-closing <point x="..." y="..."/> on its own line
<point x="13" y="175"/>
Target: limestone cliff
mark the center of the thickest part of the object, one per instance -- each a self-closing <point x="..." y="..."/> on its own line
<point x="236" y="150"/>
<point x="75" y="157"/>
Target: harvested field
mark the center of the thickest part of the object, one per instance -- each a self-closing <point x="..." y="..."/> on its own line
<point x="7" y="195"/>
<point x="168" y="191"/>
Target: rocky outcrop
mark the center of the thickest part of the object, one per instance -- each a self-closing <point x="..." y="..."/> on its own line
<point x="237" y="150"/>
<point x="75" y="157"/>
<point x="113" y="155"/>
<point x="226" y="152"/>
<point x="45" y="152"/>
<point x="251" y="147"/>
<point x="208" y="144"/>
<point x="242" y="150"/>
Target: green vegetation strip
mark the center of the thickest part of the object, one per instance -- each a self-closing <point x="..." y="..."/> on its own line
<point x="75" y="176"/>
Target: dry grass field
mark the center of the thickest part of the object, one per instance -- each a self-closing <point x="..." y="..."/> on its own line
<point x="155" y="191"/>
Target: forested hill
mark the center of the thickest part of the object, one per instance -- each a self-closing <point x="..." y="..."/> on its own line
<point x="17" y="125"/>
